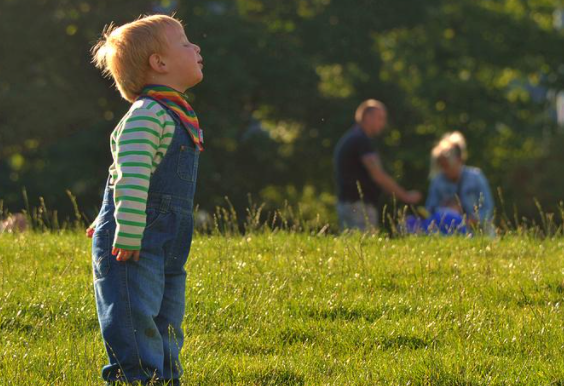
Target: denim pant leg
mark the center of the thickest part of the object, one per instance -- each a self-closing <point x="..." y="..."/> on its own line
<point x="128" y="298"/>
<point x="169" y="323"/>
<point x="171" y="315"/>
<point x="357" y="215"/>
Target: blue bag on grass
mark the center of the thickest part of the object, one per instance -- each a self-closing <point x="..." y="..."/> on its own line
<point x="445" y="221"/>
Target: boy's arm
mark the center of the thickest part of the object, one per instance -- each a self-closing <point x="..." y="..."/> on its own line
<point x="136" y="147"/>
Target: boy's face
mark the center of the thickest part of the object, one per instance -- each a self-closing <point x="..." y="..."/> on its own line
<point x="183" y="60"/>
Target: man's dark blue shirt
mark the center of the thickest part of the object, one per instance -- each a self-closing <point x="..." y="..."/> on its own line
<point x="349" y="168"/>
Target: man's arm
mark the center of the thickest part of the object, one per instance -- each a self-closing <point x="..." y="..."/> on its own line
<point x="372" y="163"/>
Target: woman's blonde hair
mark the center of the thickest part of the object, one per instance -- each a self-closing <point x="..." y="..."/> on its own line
<point x="452" y="146"/>
<point x="122" y="53"/>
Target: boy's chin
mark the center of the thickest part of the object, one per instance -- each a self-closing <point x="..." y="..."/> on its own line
<point x="197" y="80"/>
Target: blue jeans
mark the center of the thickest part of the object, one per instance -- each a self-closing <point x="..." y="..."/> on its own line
<point x="141" y="304"/>
<point x="357" y="215"/>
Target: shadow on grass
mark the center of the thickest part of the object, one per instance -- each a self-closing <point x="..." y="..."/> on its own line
<point x="291" y="336"/>
<point x="248" y="347"/>
<point x="31" y="319"/>
<point x="275" y="377"/>
<point x="17" y="326"/>
<point x="355" y="313"/>
<point x="407" y="342"/>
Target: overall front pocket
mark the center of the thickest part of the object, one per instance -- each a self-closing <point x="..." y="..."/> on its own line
<point x="187" y="168"/>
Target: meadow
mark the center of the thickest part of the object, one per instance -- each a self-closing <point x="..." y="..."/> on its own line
<point x="294" y="308"/>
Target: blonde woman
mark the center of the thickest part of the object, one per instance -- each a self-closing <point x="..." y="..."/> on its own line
<point x="457" y="187"/>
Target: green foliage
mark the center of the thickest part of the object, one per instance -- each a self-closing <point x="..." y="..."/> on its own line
<point x="282" y="80"/>
<point x="296" y="309"/>
<point x="543" y="182"/>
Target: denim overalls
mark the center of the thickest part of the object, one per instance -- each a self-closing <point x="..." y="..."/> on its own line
<point x="141" y="304"/>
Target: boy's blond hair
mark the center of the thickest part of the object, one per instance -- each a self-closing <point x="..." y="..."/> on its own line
<point x="123" y="52"/>
<point x="366" y="107"/>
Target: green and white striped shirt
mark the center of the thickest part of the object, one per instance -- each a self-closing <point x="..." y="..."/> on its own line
<point x="138" y="144"/>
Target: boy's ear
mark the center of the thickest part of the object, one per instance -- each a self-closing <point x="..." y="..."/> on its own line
<point x="157" y="63"/>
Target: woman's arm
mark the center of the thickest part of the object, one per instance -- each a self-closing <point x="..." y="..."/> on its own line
<point x="486" y="205"/>
<point x="434" y="197"/>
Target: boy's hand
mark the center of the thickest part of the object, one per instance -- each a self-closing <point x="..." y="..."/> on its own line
<point x="125" y="254"/>
<point x="89" y="232"/>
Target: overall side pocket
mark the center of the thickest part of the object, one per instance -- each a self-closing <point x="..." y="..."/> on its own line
<point x="101" y="249"/>
<point x="153" y="216"/>
<point x="183" y="239"/>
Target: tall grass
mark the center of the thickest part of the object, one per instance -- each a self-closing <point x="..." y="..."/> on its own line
<point x="226" y="220"/>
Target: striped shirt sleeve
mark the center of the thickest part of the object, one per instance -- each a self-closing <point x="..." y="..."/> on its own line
<point x="136" y="144"/>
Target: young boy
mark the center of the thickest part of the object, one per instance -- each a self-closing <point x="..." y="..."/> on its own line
<point x="143" y="232"/>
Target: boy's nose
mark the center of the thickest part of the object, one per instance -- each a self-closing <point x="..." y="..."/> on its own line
<point x="198" y="49"/>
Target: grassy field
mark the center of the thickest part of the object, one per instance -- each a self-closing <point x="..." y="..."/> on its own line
<point x="294" y="309"/>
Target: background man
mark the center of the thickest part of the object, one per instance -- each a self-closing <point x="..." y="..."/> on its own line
<point x="360" y="176"/>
